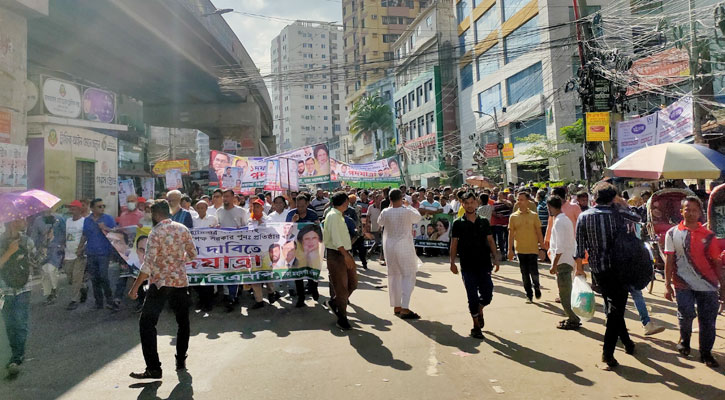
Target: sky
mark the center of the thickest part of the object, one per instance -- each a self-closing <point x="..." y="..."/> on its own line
<point x="256" y="33"/>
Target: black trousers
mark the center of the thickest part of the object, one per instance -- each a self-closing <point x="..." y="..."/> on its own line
<point x="300" y="288"/>
<point x="361" y="250"/>
<point x="615" y="301"/>
<point x="529" y="264"/>
<point x="180" y="301"/>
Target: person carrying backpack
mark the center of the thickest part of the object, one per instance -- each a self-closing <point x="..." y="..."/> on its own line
<point x="16" y="256"/>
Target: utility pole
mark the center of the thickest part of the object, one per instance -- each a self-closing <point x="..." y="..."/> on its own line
<point x="694" y="71"/>
<point x="499" y="134"/>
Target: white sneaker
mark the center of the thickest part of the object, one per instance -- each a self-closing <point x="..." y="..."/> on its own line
<point x="651" y="328"/>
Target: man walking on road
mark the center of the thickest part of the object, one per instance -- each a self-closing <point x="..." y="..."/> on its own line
<point x="98" y="251"/>
<point x="525" y="234"/>
<point x="472" y="241"/>
<point x="561" y="253"/>
<point x="340" y="264"/>
<point x="74" y="265"/>
<point x="693" y="265"/>
<point x="169" y="246"/>
<point x="595" y="232"/>
<point x="397" y="221"/>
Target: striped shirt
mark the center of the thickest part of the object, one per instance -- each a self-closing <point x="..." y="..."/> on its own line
<point x="543" y="212"/>
<point x="595" y="231"/>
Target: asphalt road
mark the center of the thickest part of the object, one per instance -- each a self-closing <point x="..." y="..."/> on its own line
<point x="281" y="352"/>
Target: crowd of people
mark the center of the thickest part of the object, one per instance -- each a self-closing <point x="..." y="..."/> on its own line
<point x="570" y="228"/>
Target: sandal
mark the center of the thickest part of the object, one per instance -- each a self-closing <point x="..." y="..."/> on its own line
<point x="410" y="315"/>
<point x="568" y="325"/>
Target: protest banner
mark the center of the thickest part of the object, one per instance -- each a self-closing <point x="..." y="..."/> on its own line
<point x="125" y="188"/>
<point x="385" y="170"/>
<point x="268" y="253"/>
<point x="432" y="231"/>
<point x="313" y="163"/>
<point x="148" y="188"/>
<point x="161" y="167"/>
<point x="173" y="179"/>
<point x="635" y="134"/>
<point x="252" y="175"/>
<point x="272" y="177"/>
<point x="675" y="122"/>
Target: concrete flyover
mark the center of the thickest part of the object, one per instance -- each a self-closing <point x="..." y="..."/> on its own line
<point x="169" y="54"/>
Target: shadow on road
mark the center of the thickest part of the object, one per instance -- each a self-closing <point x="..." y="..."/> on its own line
<point x="371" y="349"/>
<point x="541" y="362"/>
<point x="182" y="390"/>
<point x="445" y="335"/>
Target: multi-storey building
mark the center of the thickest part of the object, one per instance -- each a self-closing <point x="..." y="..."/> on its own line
<point x="307" y="99"/>
<point x="370" y="29"/>
<point x="516" y="57"/>
<point x="426" y="97"/>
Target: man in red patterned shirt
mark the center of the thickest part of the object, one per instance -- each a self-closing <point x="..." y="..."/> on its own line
<point x="168" y="248"/>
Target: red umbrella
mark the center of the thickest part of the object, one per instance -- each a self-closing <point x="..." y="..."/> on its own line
<point x="18" y="205"/>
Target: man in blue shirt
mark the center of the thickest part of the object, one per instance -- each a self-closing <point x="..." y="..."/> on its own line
<point x="98" y="251"/>
<point x="302" y="213"/>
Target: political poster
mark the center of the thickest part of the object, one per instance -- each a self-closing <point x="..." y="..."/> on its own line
<point x="268" y="253"/>
<point x="173" y="179"/>
<point x="13" y="167"/>
<point x="385" y="170"/>
<point x="675" y="122"/>
<point x="148" y="188"/>
<point x="130" y="245"/>
<point x="635" y="134"/>
<point x="313" y="163"/>
<point x="288" y="178"/>
<point x="432" y="232"/>
<point x="232" y="178"/>
<point x="125" y="188"/>
<point x="253" y="169"/>
<point x="272" y="181"/>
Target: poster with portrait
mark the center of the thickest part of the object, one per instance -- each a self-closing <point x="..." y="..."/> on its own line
<point x="253" y="169"/>
<point x="173" y="179"/>
<point x="385" y="170"/>
<point x="433" y="232"/>
<point x="148" y="188"/>
<point x="130" y="245"/>
<point x="125" y="188"/>
<point x="288" y="174"/>
<point x="232" y="178"/>
<point x="272" y="181"/>
<point x="313" y="163"/>
<point x="268" y="253"/>
<point x="13" y="167"/>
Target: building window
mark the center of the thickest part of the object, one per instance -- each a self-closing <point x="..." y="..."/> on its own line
<point x="490" y="98"/>
<point x="405" y="104"/>
<point x="85" y="180"/>
<point x="465" y="41"/>
<point x="487" y="62"/>
<point x="521" y="130"/>
<point x="421" y="126"/>
<point x="430" y="123"/>
<point x="429" y="21"/>
<point x="428" y="86"/>
<point x="419" y="91"/>
<point x="463" y="10"/>
<point x="511" y="7"/>
<point x="390" y="38"/>
<point x="525" y="84"/>
<point x="411" y="99"/>
<point x="398" y="110"/>
<point x="488" y="22"/>
<point x="522" y="41"/>
<point x="466" y="76"/>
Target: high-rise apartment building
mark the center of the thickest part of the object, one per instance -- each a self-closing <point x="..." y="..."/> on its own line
<point x="307" y="95"/>
<point x="370" y="29"/>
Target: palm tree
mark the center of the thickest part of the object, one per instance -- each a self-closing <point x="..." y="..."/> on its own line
<point x="370" y="115"/>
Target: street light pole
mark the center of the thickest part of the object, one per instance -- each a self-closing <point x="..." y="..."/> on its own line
<point x="500" y="142"/>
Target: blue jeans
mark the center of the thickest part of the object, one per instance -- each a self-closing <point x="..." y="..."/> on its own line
<point x="98" y="269"/>
<point x="15" y="314"/>
<point x="707" y="308"/>
<point x="640" y="305"/>
<point x="501" y="236"/>
<point x="479" y="287"/>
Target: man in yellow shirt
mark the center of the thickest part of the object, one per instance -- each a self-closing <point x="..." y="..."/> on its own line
<point x="525" y="234"/>
<point x="340" y="264"/>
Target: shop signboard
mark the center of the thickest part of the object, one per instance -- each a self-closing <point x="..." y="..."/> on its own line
<point x="5" y="126"/>
<point x="99" y="105"/>
<point x="508" y="151"/>
<point x="490" y="150"/>
<point x="597" y="127"/>
<point x="161" y="167"/>
<point x="61" y="98"/>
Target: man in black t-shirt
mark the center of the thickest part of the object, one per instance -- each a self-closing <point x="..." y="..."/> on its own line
<point x="472" y="241"/>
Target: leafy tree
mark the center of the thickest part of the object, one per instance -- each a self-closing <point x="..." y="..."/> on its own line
<point x="576" y="134"/>
<point x="370" y="115"/>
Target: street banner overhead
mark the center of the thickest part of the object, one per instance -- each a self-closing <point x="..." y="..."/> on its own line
<point x="385" y="170"/>
<point x="313" y="163"/>
<point x="161" y="167"/>
<point x="635" y="134"/>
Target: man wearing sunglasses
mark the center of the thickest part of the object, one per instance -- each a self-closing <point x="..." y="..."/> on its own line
<point x="98" y="251"/>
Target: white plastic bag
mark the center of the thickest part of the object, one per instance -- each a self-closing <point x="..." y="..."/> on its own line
<point x="582" y="298"/>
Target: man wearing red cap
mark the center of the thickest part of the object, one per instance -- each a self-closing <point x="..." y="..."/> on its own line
<point x="132" y="215"/>
<point x="75" y="265"/>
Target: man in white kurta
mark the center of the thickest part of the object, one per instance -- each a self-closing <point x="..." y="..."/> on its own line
<point x="398" y="220"/>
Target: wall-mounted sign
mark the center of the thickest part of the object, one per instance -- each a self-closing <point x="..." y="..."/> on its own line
<point x="161" y="167"/>
<point x="508" y="151"/>
<point x="99" y="105"/>
<point x="31" y="95"/>
<point x="597" y="127"/>
<point x="6" y="124"/>
<point x="490" y="150"/>
<point x="61" y="98"/>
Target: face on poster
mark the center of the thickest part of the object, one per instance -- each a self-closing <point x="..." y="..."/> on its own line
<point x="130" y="244"/>
<point x="148" y="188"/>
<point x="273" y="177"/>
<point x="380" y="170"/>
<point x="173" y="179"/>
<point x="125" y="188"/>
<point x="313" y="163"/>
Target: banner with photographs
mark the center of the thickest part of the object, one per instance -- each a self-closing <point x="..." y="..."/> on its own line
<point x="385" y="170"/>
<point x="226" y="169"/>
<point x="269" y="253"/>
<point x="173" y="179"/>
<point x="432" y="232"/>
<point x="148" y="188"/>
<point x="13" y="167"/>
<point x="281" y="175"/>
<point x="313" y="163"/>
<point x="130" y="245"/>
<point x="125" y="189"/>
